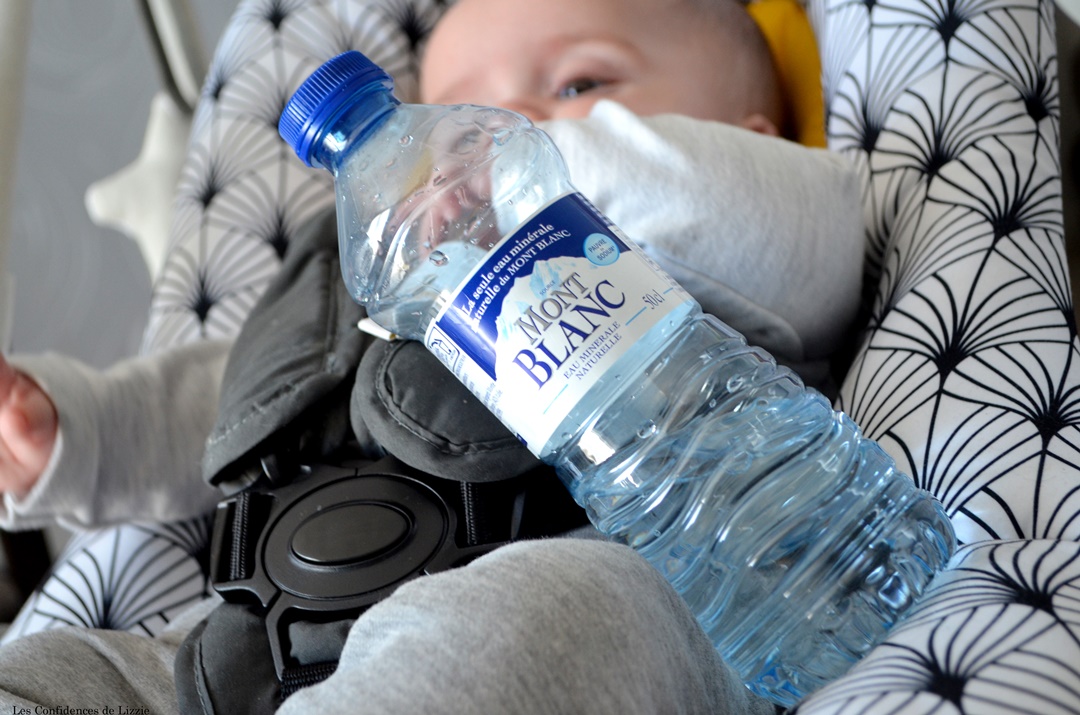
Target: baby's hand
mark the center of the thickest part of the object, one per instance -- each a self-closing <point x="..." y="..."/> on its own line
<point x="28" y="424"/>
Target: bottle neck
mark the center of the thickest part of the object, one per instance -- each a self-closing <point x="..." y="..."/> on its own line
<point x="358" y="117"/>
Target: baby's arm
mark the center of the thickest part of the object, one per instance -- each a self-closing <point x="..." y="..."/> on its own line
<point x="128" y="440"/>
<point x="765" y="233"/>
<point x="28" y="425"/>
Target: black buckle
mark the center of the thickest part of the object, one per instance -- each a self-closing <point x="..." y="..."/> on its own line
<point x="333" y="542"/>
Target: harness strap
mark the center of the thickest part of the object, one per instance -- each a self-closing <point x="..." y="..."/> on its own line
<point x="295" y="678"/>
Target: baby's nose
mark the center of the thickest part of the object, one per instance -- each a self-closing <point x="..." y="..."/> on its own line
<point x="444" y="211"/>
<point x="454" y="203"/>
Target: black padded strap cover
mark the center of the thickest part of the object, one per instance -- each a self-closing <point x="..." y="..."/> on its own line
<point x="224" y="665"/>
<point x="293" y="368"/>
<point x="415" y="408"/>
<point x="288" y="378"/>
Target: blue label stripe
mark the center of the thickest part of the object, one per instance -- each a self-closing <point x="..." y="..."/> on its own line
<point x="554" y="399"/>
<point x="635" y="315"/>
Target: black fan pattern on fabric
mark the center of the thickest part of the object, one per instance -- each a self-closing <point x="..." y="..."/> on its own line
<point x="242" y="193"/>
<point x="968" y="369"/>
<point x="999" y="633"/>
<point x="967" y="372"/>
<point x="950" y="108"/>
<point x="135" y="578"/>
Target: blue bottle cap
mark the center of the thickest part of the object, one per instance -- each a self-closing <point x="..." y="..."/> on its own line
<point x="324" y="93"/>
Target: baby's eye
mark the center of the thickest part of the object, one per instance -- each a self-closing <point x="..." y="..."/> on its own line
<point x="467" y="141"/>
<point x="578" y="87"/>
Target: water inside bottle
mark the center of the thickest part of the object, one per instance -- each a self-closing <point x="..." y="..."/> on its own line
<point x="792" y="539"/>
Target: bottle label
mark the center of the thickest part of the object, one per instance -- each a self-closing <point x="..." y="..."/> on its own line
<point x="547" y="314"/>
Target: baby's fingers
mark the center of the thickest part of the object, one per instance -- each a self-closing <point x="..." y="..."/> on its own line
<point x="28" y="425"/>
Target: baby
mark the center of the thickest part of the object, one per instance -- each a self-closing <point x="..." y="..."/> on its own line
<point x="650" y="102"/>
<point x="764" y="233"/>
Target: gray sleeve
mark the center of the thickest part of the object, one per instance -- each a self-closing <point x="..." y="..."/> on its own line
<point x="131" y="439"/>
<point x="766" y="234"/>
<point x="548" y="626"/>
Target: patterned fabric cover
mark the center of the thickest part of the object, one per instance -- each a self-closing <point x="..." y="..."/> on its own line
<point x="966" y="373"/>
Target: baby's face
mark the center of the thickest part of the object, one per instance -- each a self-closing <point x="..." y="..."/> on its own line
<point x="554" y="59"/>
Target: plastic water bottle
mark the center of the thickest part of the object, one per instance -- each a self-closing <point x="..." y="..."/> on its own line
<point x="793" y="538"/>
